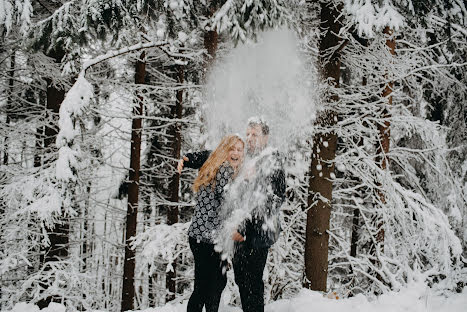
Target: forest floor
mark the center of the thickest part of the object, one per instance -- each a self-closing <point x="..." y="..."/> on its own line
<point x="414" y="298"/>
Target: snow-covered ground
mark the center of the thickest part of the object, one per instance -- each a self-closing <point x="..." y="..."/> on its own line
<point x="415" y="298"/>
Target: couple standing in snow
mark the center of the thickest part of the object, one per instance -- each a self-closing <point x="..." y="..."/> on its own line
<point x="228" y="181"/>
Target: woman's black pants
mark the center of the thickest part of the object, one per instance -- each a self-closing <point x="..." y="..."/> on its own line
<point x="210" y="277"/>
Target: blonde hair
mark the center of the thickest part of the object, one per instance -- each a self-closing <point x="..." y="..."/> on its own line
<point x="208" y="171"/>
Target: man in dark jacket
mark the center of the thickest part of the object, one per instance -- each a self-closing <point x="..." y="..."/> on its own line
<point x="262" y="195"/>
<point x="265" y="193"/>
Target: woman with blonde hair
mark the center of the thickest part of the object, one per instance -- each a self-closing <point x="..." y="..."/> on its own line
<point x="217" y="170"/>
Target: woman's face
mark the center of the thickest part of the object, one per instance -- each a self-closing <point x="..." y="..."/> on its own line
<point x="236" y="154"/>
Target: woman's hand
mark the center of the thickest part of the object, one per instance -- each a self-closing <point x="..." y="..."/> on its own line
<point x="181" y="163"/>
<point x="238" y="237"/>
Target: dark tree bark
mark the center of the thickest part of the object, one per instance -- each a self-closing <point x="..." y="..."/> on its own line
<point x="128" y="290"/>
<point x="85" y="247"/>
<point x="58" y="235"/>
<point x="384" y="129"/>
<point x="151" y="286"/>
<point x="39" y="146"/>
<point x="7" y="123"/>
<point x="383" y="146"/>
<point x="211" y="38"/>
<point x="146" y="199"/>
<point x="356" y="213"/>
<point x="175" y="132"/>
<point x="323" y="155"/>
<point x="9" y="106"/>
<point x="210" y="44"/>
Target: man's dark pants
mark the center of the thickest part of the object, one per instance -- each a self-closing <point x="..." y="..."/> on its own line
<point x="248" y="264"/>
<point x="210" y="278"/>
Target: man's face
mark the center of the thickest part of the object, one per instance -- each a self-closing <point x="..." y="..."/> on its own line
<point x="255" y="139"/>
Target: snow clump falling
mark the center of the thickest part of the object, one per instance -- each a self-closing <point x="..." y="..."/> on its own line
<point x="268" y="78"/>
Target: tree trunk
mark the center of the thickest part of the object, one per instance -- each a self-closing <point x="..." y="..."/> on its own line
<point x="384" y="129"/>
<point x="58" y="235"/>
<point x="210" y="44"/>
<point x="128" y="290"/>
<point x="210" y="39"/>
<point x="85" y="236"/>
<point x="322" y="163"/>
<point x="7" y="123"/>
<point x="356" y="212"/>
<point x="9" y="106"/>
<point x="383" y="146"/>
<point x="172" y="211"/>
<point x="148" y="223"/>
<point x="39" y="146"/>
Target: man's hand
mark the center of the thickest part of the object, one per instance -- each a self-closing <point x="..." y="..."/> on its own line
<point x="181" y="163"/>
<point x="238" y="237"/>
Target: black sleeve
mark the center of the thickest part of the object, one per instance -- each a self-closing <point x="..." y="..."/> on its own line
<point x="196" y="159"/>
<point x="278" y="184"/>
<point x="277" y="181"/>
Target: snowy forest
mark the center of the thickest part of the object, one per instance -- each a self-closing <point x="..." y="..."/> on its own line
<point x="99" y="99"/>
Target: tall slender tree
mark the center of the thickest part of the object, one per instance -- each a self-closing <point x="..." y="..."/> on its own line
<point x="175" y="133"/>
<point x="324" y="150"/>
<point x="11" y="74"/>
<point x="57" y="233"/>
<point x="211" y="36"/>
<point x="128" y="290"/>
<point x="382" y="149"/>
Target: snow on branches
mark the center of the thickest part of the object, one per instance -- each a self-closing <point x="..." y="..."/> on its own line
<point x="371" y="17"/>
<point x="16" y="12"/>
<point x="243" y="19"/>
<point x="74" y="104"/>
<point x="162" y="241"/>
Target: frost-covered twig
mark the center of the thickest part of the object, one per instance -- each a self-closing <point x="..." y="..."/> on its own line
<point x="111" y="54"/>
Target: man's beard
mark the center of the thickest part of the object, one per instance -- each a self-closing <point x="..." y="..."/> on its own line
<point x="253" y="151"/>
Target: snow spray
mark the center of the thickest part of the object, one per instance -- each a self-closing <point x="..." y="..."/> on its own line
<point x="268" y="78"/>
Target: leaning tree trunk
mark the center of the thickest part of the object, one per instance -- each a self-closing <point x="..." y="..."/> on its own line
<point x="323" y="155"/>
<point x="383" y="149"/>
<point x="128" y="290"/>
<point x="58" y="234"/>
<point x="175" y="132"/>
